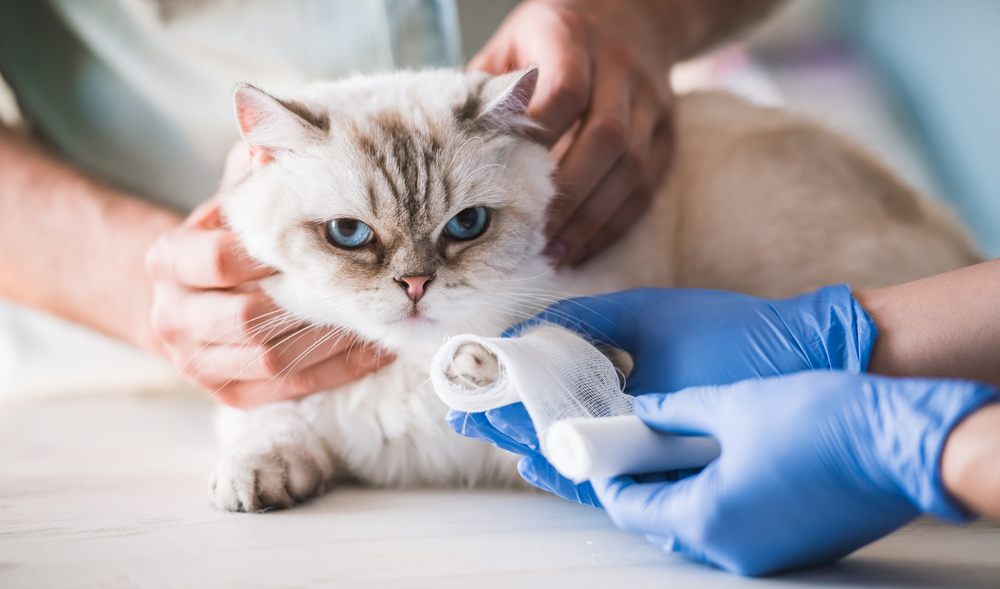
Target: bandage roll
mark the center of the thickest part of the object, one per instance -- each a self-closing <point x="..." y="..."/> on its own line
<point x="582" y="449"/>
<point x="573" y="395"/>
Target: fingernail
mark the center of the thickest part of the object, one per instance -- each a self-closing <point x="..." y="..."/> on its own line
<point x="555" y="251"/>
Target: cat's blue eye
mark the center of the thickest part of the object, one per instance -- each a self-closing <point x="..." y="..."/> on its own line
<point x="469" y="224"/>
<point x="349" y="233"/>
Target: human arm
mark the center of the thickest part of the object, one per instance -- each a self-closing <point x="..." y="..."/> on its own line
<point x="949" y="326"/>
<point x="76" y="247"/>
<point x="604" y="91"/>
<point x="813" y="466"/>
<point x="946" y="325"/>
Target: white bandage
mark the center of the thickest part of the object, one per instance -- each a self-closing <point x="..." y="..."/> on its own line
<point x="572" y="393"/>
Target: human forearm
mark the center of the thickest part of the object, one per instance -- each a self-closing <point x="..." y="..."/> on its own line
<point x="74" y="246"/>
<point x="942" y="326"/>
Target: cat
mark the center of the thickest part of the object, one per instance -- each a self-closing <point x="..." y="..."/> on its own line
<point x="404" y="207"/>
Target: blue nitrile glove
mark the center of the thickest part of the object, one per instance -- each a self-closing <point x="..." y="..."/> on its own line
<point x="510" y="428"/>
<point x="813" y="466"/>
<point x="685" y="337"/>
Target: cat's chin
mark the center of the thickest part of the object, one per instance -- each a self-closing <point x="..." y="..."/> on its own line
<point x="421" y="330"/>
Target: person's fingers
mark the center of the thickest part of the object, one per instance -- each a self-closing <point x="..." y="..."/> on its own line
<point x="563" y="95"/>
<point x="537" y="471"/>
<point x="478" y="426"/>
<point x="669" y="510"/>
<point x="329" y="374"/>
<point x="282" y="355"/>
<point x="200" y="258"/>
<point x="630" y="211"/>
<point x="514" y="422"/>
<point x="183" y="317"/>
<point x="601" y="142"/>
<point x="556" y="43"/>
<point x="627" y="189"/>
<point x="591" y="217"/>
<point x="694" y="410"/>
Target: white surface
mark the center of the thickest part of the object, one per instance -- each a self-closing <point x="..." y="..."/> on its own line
<point x="44" y="356"/>
<point x="112" y="493"/>
<point x="583" y="449"/>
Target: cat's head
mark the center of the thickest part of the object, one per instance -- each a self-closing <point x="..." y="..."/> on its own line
<point x="402" y="206"/>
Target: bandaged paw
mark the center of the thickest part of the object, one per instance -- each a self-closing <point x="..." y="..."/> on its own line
<point x="571" y="391"/>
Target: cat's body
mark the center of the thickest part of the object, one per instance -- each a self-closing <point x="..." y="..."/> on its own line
<point x="759" y="201"/>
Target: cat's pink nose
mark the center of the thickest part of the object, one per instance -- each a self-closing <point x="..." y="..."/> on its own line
<point x="415" y="286"/>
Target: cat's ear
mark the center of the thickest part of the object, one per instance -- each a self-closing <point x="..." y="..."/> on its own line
<point x="269" y="125"/>
<point x="508" y="97"/>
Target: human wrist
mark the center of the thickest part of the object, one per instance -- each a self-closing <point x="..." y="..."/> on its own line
<point x="832" y="326"/>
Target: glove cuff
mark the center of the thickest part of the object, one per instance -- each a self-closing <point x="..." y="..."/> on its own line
<point x="833" y="328"/>
<point x="923" y="423"/>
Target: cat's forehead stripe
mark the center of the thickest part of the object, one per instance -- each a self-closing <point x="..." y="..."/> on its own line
<point x="406" y="161"/>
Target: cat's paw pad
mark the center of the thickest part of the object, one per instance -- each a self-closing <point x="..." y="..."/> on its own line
<point x="260" y="474"/>
<point x="473" y="365"/>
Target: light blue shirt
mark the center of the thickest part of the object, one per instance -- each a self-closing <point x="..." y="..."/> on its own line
<point x="140" y="91"/>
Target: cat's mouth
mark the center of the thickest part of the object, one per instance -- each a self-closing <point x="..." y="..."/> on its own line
<point x="415" y="316"/>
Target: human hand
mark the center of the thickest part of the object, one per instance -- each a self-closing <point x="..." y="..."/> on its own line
<point x="686" y="337"/>
<point x="813" y="466"/>
<point x="510" y="428"/>
<point x="604" y="90"/>
<point x="225" y="333"/>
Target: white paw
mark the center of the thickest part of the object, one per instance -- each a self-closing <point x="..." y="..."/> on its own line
<point x="473" y="365"/>
<point x="259" y="473"/>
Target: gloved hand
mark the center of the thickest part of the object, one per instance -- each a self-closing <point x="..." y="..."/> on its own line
<point x="813" y="466"/>
<point x="686" y="337"/>
<point x="510" y="428"/>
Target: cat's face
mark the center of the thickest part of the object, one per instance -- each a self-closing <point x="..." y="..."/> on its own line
<point x="402" y="207"/>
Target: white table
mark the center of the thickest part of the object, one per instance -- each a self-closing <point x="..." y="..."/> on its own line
<point x="112" y="492"/>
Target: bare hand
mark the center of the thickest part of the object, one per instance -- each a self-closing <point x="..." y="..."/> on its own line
<point x="604" y="90"/>
<point x="223" y="330"/>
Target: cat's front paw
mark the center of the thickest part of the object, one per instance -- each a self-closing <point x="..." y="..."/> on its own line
<point x="258" y="474"/>
<point x="473" y="365"/>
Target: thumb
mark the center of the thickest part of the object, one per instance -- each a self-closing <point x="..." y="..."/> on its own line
<point x="694" y="410"/>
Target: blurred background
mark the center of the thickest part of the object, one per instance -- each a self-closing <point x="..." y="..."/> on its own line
<point x="915" y="81"/>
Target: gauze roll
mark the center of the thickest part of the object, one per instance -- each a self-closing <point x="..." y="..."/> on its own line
<point x="581" y="449"/>
<point x="570" y="390"/>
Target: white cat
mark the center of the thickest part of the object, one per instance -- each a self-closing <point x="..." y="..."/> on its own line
<point x="405" y="207"/>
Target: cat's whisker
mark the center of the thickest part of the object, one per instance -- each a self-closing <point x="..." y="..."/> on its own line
<point x="291" y="367"/>
<point x="180" y="371"/>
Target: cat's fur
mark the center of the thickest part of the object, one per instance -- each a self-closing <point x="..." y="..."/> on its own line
<point x="759" y="201"/>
